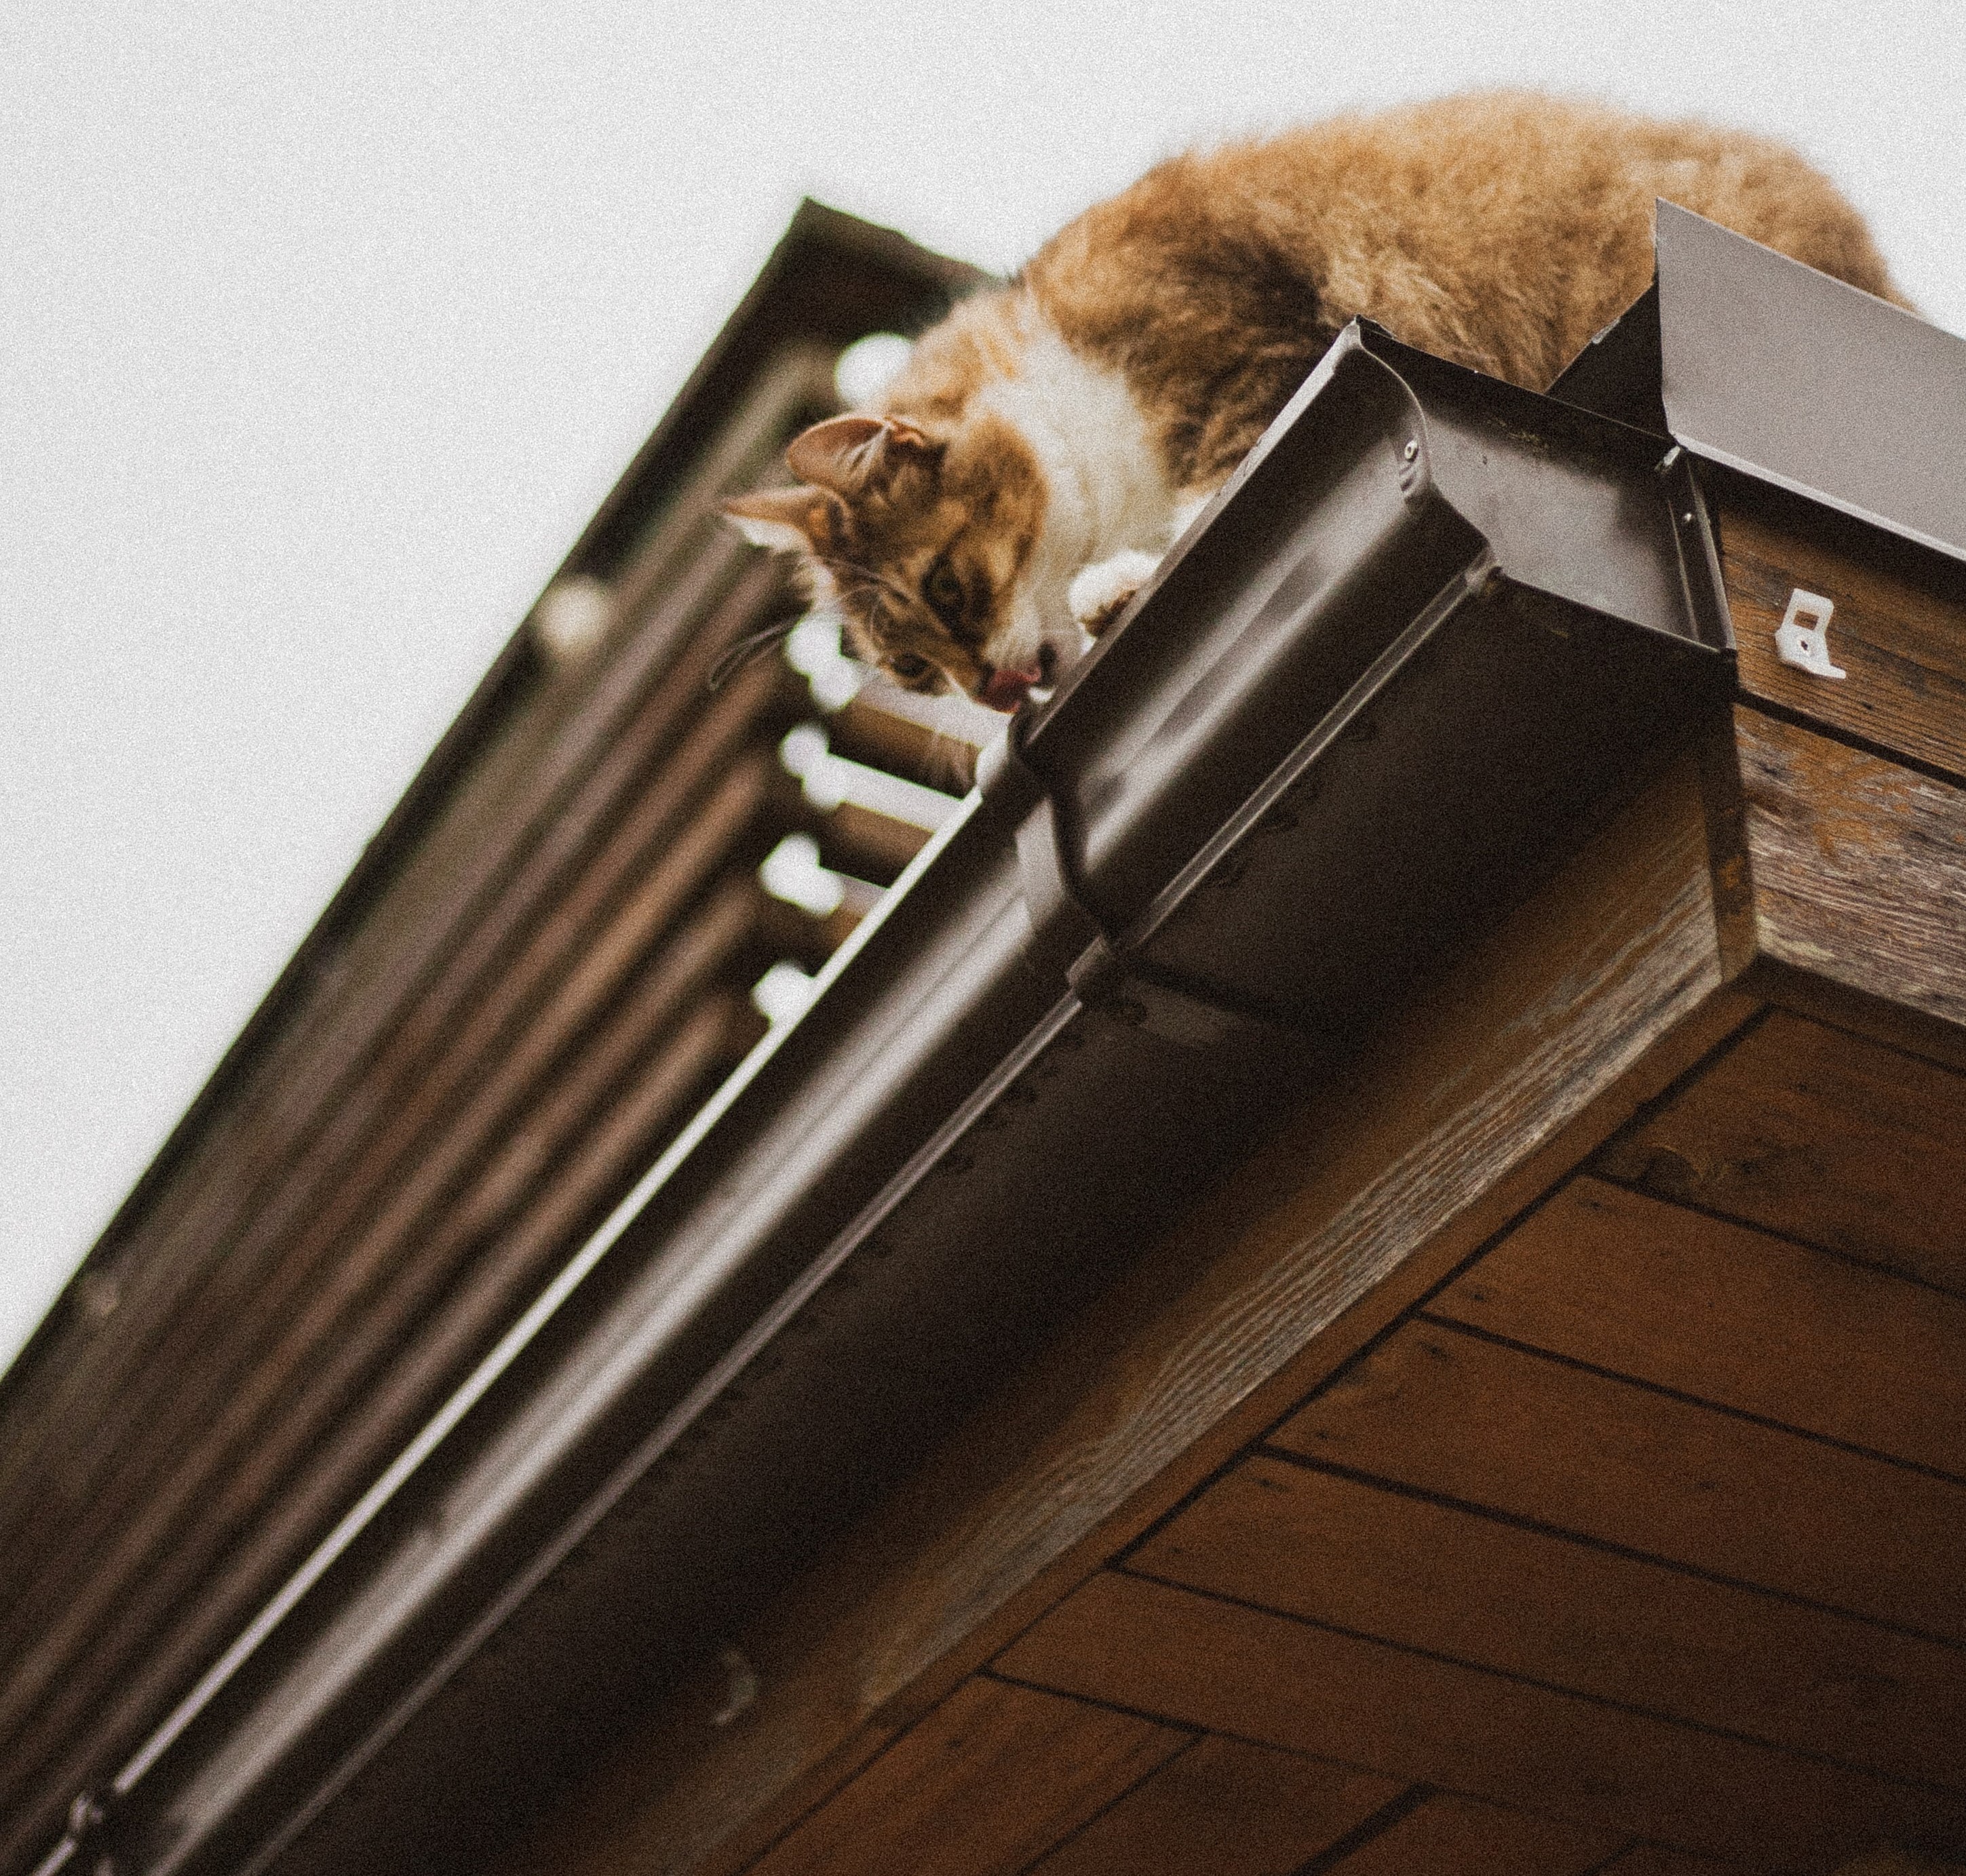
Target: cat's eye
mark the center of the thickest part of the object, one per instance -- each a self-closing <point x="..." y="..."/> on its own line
<point x="908" y="668"/>
<point x="943" y="589"/>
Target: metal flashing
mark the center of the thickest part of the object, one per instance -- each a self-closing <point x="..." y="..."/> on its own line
<point x="1758" y="363"/>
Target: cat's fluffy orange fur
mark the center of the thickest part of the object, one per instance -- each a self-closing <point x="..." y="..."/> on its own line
<point x="1048" y="441"/>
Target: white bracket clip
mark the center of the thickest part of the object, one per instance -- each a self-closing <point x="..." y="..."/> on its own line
<point x="1807" y="647"/>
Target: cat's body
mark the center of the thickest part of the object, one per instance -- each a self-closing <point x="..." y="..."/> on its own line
<point x="1047" y="442"/>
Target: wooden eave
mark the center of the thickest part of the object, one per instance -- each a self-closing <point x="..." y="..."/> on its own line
<point x="1468" y="1384"/>
<point x="1547" y="1454"/>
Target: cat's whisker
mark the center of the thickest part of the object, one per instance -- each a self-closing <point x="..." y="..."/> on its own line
<point x="746" y="650"/>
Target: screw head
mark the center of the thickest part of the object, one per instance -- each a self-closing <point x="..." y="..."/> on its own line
<point x="1412" y="450"/>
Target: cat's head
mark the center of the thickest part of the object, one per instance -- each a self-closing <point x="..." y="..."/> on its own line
<point x="926" y="537"/>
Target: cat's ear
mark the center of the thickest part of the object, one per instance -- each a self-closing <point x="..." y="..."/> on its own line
<point x="857" y="455"/>
<point x="791" y="520"/>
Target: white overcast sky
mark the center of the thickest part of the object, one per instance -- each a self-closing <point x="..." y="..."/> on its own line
<point x="324" y="328"/>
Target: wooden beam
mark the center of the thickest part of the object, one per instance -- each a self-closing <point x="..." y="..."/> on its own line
<point x="1496" y="1427"/>
<point x="1820" y="1136"/>
<point x="1858" y="866"/>
<point x="1736" y="1317"/>
<point x="1903" y="645"/>
<point x="1193" y="1660"/>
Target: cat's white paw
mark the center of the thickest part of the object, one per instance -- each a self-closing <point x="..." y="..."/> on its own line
<point x="1099" y="593"/>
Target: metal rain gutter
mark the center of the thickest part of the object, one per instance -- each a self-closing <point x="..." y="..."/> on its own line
<point x="1433" y="626"/>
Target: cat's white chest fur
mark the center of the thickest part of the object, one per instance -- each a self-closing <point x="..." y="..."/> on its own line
<point x="1110" y="512"/>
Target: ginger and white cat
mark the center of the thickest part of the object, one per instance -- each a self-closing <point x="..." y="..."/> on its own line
<point x="1048" y="442"/>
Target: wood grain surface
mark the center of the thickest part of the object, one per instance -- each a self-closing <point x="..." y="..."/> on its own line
<point x="1903" y="647"/>
<point x="1752" y="1321"/>
<point x="1432" y="1576"/>
<point x="1194" y="1660"/>
<point x="1492" y="1426"/>
<point x="1858" y="865"/>
<point x="1823" y="1137"/>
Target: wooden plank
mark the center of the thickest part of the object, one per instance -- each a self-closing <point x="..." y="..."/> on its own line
<point x="1497" y="1080"/>
<point x="1448" y="1412"/>
<point x="1455" y="1836"/>
<point x="1858" y="866"/>
<point x="1427" y="1575"/>
<point x="1652" y="1859"/>
<point x="866" y="844"/>
<point x="1821" y="1136"/>
<point x="1860" y="1013"/>
<point x="1225" y="1807"/>
<point x="1904" y="647"/>
<point x="893" y="729"/>
<point x="706" y="805"/>
<point x="1628" y="1282"/>
<point x="991" y="1779"/>
<point x="1195" y="1661"/>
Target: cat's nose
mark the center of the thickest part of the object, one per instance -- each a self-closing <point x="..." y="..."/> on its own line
<point x="1005" y="689"/>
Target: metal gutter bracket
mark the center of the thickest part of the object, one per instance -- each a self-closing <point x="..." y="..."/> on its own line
<point x="1067" y="936"/>
<point x="1062" y="925"/>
